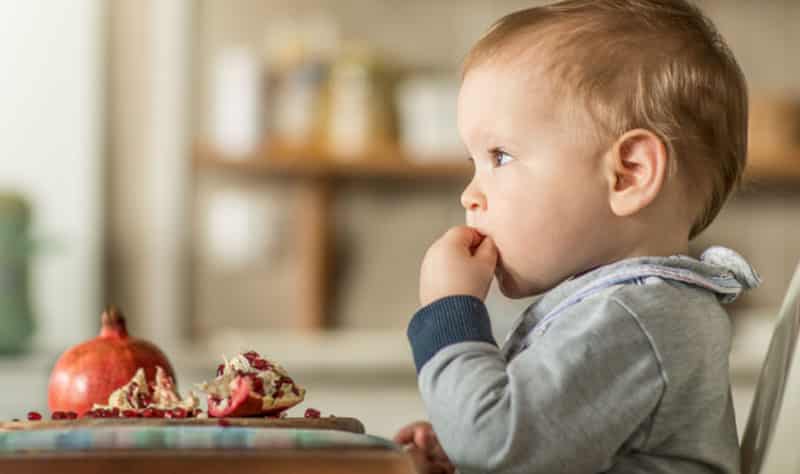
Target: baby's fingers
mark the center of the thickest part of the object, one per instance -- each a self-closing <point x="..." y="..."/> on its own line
<point x="487" y="251"/>
<point x="444" y="467"/>
<point x="422" y="464"/>
<point x="425" y="438"/>
<point x="462" y="237"/>
<point x="407" y="433"/>
<point x="436" y="453"/>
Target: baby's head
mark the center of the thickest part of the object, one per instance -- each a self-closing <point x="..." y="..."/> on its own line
<point x="600" y="130"/>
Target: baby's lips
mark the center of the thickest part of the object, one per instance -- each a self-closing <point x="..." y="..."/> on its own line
<point x="477" y="230"/>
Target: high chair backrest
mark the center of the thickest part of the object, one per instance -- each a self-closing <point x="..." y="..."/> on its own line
<point x="771" y="442"/>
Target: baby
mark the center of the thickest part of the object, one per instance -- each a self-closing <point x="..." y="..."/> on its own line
<point x="605" y="135"/>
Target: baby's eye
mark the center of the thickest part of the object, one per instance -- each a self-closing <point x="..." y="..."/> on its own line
<point x="501" y="158"/>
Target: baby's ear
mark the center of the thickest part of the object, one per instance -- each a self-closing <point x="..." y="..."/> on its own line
<point x="636" y="167"/>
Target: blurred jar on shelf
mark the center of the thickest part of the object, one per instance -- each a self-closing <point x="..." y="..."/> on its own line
<point x="16" y="322"/>
<point x="298" y="120"/>
<point x="360" y="116"/>
<point x="236" y="101"/>
<point x="299" y="51"/>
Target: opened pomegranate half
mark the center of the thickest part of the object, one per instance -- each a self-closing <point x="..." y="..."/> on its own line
<point x="88" y="373"/>
<point x="249" y="385"/>
<point x="138" y="395"/>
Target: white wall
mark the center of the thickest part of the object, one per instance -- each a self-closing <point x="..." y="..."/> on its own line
<point x="51" y="129"/>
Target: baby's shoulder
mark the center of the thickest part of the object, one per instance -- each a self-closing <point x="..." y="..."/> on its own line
<point x="674" y="312"/>
<point x="654" y="296"/>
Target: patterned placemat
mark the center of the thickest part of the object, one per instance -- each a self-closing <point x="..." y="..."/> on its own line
<point x="183" y="437"/>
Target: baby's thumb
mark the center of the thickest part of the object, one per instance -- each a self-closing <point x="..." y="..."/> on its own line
<point x="405" y="435"/>
<point x="486" y="251"/>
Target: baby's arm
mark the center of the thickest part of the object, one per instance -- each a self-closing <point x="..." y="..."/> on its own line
<point x="567" y="403"/>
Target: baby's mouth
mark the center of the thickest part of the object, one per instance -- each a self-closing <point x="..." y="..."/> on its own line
<point x="477" y="229"/>
<point x="476" y="242"/>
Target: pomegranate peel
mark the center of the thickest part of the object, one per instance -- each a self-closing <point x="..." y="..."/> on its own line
<point x="139" y="394"/>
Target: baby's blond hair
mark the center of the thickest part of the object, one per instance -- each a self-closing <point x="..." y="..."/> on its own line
<point x="660" y="65"/>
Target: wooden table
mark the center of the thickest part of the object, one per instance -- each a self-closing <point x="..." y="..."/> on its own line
<point x="351" y="461"/>
<point x="128" y="446"/>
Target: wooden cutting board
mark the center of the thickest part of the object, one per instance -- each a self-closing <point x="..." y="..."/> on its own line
<point x="351" y="425"/>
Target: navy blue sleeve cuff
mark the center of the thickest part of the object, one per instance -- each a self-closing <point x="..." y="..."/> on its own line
<point x="448" y="321"/>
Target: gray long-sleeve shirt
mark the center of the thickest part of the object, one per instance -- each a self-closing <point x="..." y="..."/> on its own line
<point x="622" y="370"/>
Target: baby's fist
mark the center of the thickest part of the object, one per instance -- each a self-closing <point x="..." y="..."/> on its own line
<point x="424" y="449"/>
<point x="461" y="262"/>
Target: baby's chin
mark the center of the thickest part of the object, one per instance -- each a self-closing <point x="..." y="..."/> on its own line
<point x="508" y="285"/>
<point x="514" y="288"/>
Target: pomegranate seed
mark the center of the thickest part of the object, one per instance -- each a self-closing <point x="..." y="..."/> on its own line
<point x="71" y="415"/>
<point x="58" y="415"/>
<point x="312" y="413"/>
<point x="149" y="413"/>
<point x="223" y="422"/>
<point x="159" y="413"/>
<point x="278" y="394"/>
<point x="115" y="412"/>
<point x="144" y="400"/>
<point x="34" y="416"/>
<point x="251" y="356"/>
<point x="130" y="414"/>
<point x="258" y="385"/>
<point x="178" y="413"/>
<point x="220" y="369"/>
<point x="260" y="364"/>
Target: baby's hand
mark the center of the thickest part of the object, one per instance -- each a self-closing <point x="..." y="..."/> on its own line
<point x="461" y="262"/>
<point x="423" y="447"/>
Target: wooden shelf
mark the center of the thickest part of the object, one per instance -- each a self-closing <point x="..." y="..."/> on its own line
<point x="276" y="161"/>
<point x="319" y="165"/>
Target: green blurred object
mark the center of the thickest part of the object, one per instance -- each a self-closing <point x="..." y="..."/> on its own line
<point x="16" y="321"/>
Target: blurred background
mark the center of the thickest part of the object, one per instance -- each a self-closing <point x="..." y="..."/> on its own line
<point x="262" y="174"/>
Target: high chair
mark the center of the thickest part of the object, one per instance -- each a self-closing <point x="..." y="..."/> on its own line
<point x="771" y="442"/>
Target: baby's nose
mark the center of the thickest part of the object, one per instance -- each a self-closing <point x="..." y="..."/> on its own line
<point x="472" y="199"/>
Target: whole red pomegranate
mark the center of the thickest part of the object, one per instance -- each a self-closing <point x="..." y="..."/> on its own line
<point x="87" y="373"/>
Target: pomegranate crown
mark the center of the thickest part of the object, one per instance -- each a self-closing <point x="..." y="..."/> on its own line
<point x="113" y="323"/>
